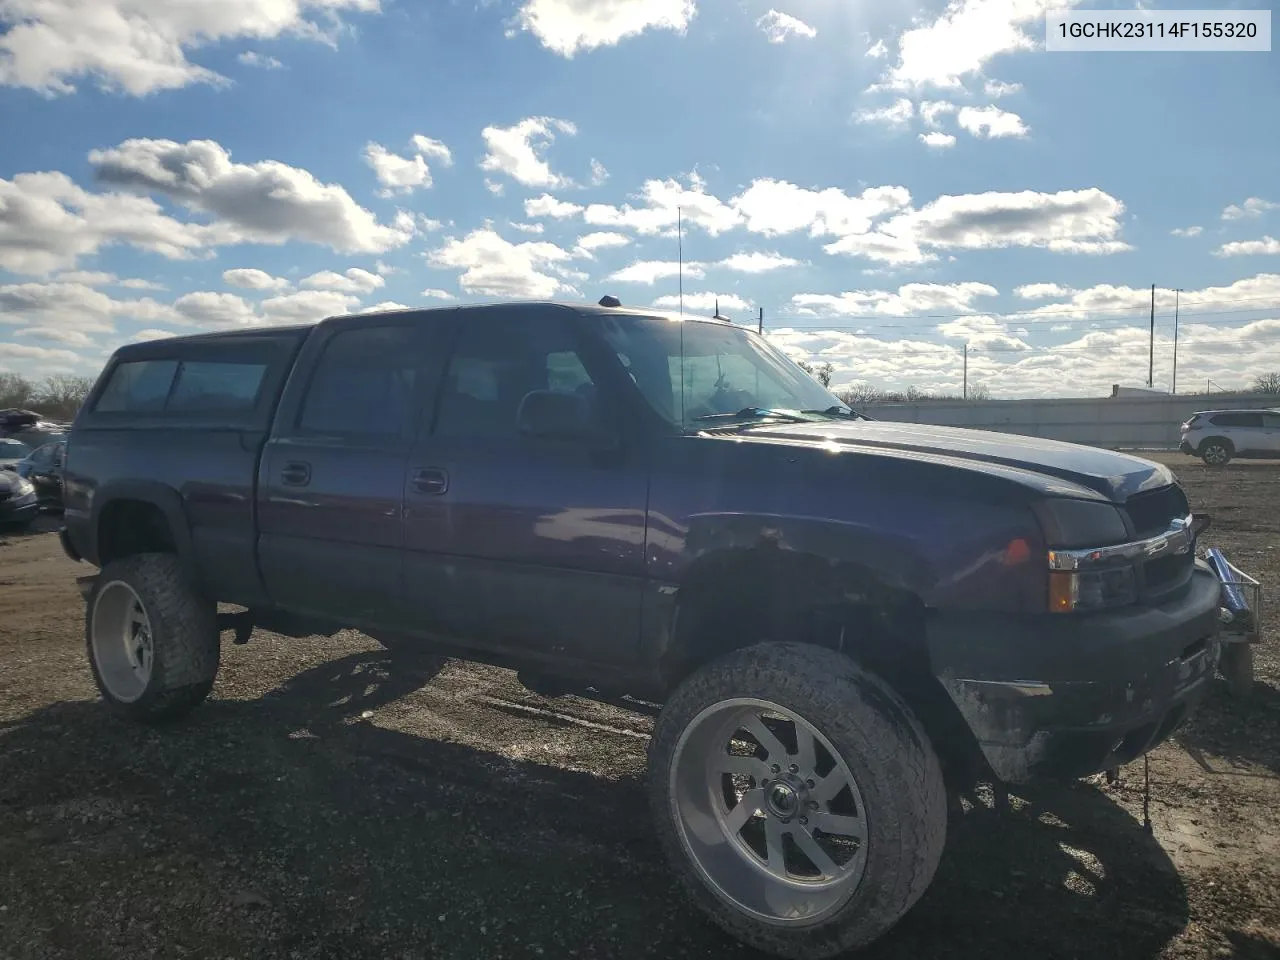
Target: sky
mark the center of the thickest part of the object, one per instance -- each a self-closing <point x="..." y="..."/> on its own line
<point x="890" y="182"/>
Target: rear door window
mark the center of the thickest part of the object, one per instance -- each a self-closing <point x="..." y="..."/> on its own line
<point x="364" y="384"/>
<point x="1241" y="419"/>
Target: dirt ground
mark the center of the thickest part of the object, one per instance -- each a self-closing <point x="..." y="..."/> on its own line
<point x="322" y="805"/>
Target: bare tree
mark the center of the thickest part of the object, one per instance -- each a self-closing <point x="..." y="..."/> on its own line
<point x="16" y="391"/>
<point x="1267" y="383"/>
<point x="979" y="391"/>
<point x="61" y="395"/>
<point x="822" y="372"/>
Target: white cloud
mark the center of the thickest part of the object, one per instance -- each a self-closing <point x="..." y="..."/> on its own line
<point x="991" y="122"/>
<point x="548" y="206"/>
<point x="895" y="114"/>
<point x="984" y="333"/>
<point x="143" y="335"/>
<point x="1240" y="248"/>
<point x="70" y="313"/>
<point x="651" y="271"/>
<point x="931" y="110"/>
<point x="998" y="88"/>
<point x="383" y="306"/>
<point x="138" y="283"/>
<point x="1193" y="231"/>
<point x="877" y="50"/>
<point x="911" y="298"/>
<point x="568" y="26"/>
<point x="494" y="187"/>
<point x="399" y="174"/>
<point x="90" y="278"/>
<point x="517" y="151"/>
<point x="251" y="58"/>
<point x="964" y="37"/>
<point x="937" y="140"/>
<point x="662" y="201"/>
<point x="588" y="244"/>
<point x="1041" y="291"/>
<point x="307" y="306"/>
<point x="385" y="269"/>
<point x="780" y="27"/>
<point x="533" y="228"/>
<point x="140" y="46"/>
<point x="1253" y="207"/>
<point x="773" y="207"/>
<point x="353" y="280"/>
<point x="432" y="149"/>
<point x="599" y="173"/>
<point x="493" y="266"/>
<point x="47" y="223"/>
<point x="434" y="293"/>
<point x="704" y="302"/>
<point x="757" y="262"/>
<point x="206" y="308"/>
<point x="881" y="247"/>
<point x="42" y="361"/>
<point x="251" y="278"/>
<point x="265" y="202"/>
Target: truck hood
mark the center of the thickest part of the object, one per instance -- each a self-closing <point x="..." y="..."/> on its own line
<point x="1105" y="473"/>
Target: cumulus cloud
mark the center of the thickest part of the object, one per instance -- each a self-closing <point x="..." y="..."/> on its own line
<point x="434" y="293"/>
<point x="140" y="46"/>
<point x="353" y="280"/>
<point x="101" y="278"/>
<point x="1241" y="248"/>
<point x="757" y="262"/>
<point x="398" y="174"/>
<point x="877" y="50"/>
<point x="384" y="306"/>
<point x="932" y="110"/>
<point x="998" y="88"/>
<point x="251" y="58"/>
<point x="937" y="140"/>
<point x="71" y="313"/>
<point x="991" y="122"/>
<point x="1252" y="207"/>
<point x="307" y="306"/>
<point x="493" y="266"/>
<point x="205" y="308"/>
<point x="964" y="38"/>
<point x="517" y="151"/>
<point x="651" y="271"/>
<point x="599" y="173"/>
<point x="704" y="302"/>
<point x="589" y="244"/>
<point x="568" y="26"/>
<point x="549" y="206"/>
<point x="1193" y="231"/>
<point x="895" y="114"/>
<point x="659" y="210"/>
<point x="264" y="202"/>
<point x="983" y="332"/>
<point x="1041" y="291"/>
<point x="780" y="27"/>
<point x="909" y="299"/>
<point x="773" y="207"/>
<point x="251" y="278"/>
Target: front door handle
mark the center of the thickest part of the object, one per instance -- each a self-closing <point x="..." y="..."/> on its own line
<point x="430" y="480"/>
<point x="296" y="473"/>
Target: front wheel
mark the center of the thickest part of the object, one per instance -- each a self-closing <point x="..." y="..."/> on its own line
<point x="152" y="639"/>
<point x="798" y="799"/>
<point x="1216" y="453"/>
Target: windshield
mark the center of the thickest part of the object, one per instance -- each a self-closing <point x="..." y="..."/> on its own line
<point x="693" y="372"/>
<point x="13" y="450"/>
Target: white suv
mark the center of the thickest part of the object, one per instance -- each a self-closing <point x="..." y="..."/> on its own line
<point x="1215" y="436"/>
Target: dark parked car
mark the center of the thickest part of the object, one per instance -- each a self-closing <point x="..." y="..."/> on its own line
<point x="12" y="452"/>
<point x="43" y="467"/>
<point x="18" y="503"/>
<point x="832" y="611"/>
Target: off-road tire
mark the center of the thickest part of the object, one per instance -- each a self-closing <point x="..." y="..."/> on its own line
<point x="888" y="753"/>
<point x="184" y="627"/>
<point x="1210" y="447"/>
<point x="1236" y="667"/>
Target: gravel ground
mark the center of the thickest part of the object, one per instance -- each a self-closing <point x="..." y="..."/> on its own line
<point x="329" y="803"/>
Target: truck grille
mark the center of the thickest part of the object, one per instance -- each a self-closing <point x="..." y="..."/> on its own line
<point x="1151" y="513"/>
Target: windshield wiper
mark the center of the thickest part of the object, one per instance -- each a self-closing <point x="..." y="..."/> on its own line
<point x="753" y="413"/>
<point x="840" y="412"/>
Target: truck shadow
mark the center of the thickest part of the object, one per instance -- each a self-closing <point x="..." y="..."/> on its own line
<point x="1242" y="732"/>
<point x="295" y="825"/>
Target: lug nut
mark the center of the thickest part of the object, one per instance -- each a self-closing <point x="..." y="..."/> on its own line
<point x="775" y="768"/>
<point x="794" y="768"/>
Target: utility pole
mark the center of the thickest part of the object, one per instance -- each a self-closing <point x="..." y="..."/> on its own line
<point x="1151" y="365"/>
<point x="966" y="369"/>
<point x="1177" y="296"/>
<point x="760" y="330"/>
<point x="680" y="248"/>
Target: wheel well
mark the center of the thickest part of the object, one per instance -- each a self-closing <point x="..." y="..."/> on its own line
<point x="747" y="600"/>
<point x="1216" y="439"/>
<point x="126" y="527"/>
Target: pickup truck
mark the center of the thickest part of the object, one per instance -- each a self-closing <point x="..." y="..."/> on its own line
<point x="838" y="616"/>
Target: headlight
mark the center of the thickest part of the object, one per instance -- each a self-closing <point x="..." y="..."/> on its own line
<point x="21" y="485"/>
<point x="1080" y="583"/>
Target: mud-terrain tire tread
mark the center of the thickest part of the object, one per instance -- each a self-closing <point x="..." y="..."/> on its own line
<point x="184" y="628"/>
<point x="874" y="730"/>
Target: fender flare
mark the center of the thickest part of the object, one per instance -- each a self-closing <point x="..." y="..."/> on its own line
<point x="166" y="499"/>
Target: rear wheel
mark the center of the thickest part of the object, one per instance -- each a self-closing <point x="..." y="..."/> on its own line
<point x="1216" y="451"/>
<point x="152" y="640"/>
<point x="798" y="799"/>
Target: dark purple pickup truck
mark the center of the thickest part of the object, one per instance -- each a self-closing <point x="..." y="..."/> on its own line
<point x="834" y="612"/>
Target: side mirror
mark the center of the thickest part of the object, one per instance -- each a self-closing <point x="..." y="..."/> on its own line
<point x="550" y="415"/>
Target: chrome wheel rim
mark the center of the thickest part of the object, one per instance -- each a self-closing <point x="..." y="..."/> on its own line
<point x="121" y="638"/>
<point x="768" y="811"/>
<point x="1215" y="453"/>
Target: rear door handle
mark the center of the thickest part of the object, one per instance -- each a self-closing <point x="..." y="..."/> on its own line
<point x="296" y="473"/>
<point x="430" y="480"/>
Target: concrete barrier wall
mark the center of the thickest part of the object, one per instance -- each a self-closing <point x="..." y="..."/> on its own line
<point x="1134" y="422"/>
